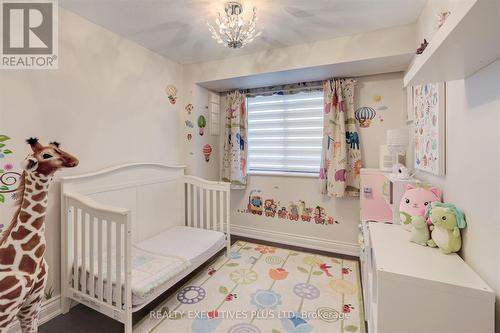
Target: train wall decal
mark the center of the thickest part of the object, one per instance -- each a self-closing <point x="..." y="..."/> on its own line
<point x="294" y="211"/>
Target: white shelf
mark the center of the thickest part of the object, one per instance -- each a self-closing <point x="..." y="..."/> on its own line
<point x="468" y="41"/>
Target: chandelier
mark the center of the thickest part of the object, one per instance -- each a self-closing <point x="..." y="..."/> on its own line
<point x="232" y="30"/>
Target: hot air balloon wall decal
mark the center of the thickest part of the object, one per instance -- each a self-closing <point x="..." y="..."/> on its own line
<point x="207" y="151"/>
<point x="171" y="91"/>
<point x="364" y="116"/>
<point x="202" y="122"/>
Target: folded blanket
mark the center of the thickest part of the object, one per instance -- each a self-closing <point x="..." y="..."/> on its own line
<point x="149" y="270"/>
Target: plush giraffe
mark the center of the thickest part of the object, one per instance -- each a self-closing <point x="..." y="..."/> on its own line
<point x="23" y="269"/>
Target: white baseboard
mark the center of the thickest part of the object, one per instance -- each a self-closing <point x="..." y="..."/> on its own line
<point x="322" y="244"/>
<point x="50" y="309"/>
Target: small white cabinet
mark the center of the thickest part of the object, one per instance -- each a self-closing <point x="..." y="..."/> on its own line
<point x="412" y="288"/>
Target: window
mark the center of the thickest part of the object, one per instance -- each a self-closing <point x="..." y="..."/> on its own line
<point x="285" y="133"/>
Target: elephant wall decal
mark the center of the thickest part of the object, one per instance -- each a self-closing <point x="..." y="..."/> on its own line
<point x="340" y="175"/>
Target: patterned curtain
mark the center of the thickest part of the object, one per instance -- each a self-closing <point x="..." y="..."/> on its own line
<point x="341" y="157"/>
<point x="234" y="162"/>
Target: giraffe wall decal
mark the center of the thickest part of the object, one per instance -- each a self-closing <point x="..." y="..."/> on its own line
<point x="23" y="269"/>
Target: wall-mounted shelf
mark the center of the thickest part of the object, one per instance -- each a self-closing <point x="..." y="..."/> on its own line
<point x="468" y="41"/>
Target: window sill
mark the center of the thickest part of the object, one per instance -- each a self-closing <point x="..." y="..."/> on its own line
<point x="283" y="174"/>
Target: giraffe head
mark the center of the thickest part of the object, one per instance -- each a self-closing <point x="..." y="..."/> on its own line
<point x="46" y="160"/>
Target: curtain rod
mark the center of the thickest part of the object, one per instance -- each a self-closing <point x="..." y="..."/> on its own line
<point x="289" y="89"/>
<point x="263" y="89"/>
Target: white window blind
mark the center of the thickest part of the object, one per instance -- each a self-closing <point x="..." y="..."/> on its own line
<point x="285" y="133"/>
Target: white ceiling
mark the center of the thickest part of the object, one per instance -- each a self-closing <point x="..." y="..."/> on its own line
<point x="177" y="28"/>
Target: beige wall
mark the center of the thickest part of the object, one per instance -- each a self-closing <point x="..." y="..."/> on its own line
<point x="106" y="104"/>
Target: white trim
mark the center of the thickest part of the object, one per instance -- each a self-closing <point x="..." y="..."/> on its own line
<point x="95" y="205"/>
<point x="209" y="184"/>
<point x="322" y="244"/>
<point x="50" y="309"/>
<point x="121" y="167"/>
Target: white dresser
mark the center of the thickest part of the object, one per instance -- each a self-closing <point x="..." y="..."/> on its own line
<point x="412" y="288"/>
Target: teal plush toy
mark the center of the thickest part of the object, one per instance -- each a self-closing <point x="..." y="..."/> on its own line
<point x="447" y="221"/>
<point x="419" y="230"/>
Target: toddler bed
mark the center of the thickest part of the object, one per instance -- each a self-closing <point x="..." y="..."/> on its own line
<point x="131" y="232"/>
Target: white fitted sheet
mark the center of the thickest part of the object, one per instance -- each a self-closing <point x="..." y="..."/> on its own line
<point x="194" y="245"/>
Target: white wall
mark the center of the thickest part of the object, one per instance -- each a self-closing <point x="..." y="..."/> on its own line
<point x="192" y="150"/>
<point x="106" y="104"/>
<point x="427" y="23"/>
<point x="472" y="179"/>
<point x="340" y="237"/>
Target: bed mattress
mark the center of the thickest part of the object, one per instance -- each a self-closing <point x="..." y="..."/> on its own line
<point x="160" y="261"/>
<point x="193" y="244"/>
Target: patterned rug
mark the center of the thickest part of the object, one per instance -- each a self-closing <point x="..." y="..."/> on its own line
<point x="263" y="289"/>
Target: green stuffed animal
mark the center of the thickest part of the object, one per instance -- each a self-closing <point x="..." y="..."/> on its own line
<point x="447" y="221"/>
<point x="419" y="230"/>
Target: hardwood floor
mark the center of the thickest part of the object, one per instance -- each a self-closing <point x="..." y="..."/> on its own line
<point x="81" y="319"/>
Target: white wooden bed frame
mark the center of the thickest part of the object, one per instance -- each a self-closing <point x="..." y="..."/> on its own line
<point x="156" y="197"/>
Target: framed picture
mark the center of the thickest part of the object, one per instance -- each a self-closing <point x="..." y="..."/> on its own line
<point x="429" y="117"/>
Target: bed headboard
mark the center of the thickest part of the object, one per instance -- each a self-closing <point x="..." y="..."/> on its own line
<point x="153" y="192"/>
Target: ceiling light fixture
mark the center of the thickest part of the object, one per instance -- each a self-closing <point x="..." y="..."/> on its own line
<point x="232" y="30"/>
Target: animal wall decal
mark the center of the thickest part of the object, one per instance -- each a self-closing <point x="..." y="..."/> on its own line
<point x="23" y="269"/>
<point x="294" y="211"/>
<point x="422" y="47"/>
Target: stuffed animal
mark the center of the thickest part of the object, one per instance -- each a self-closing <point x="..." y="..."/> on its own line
<point x="419" y="230"/>
<point x="447" y="221"/>
<point x="23" y="269"/>
<point x="415" y="201"/>
<point x="422" y="47"/>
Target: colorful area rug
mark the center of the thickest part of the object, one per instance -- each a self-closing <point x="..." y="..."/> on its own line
<point x="263" y="289"/>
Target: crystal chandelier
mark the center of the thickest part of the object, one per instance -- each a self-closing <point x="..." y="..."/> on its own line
<point x="232" y="30"/>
